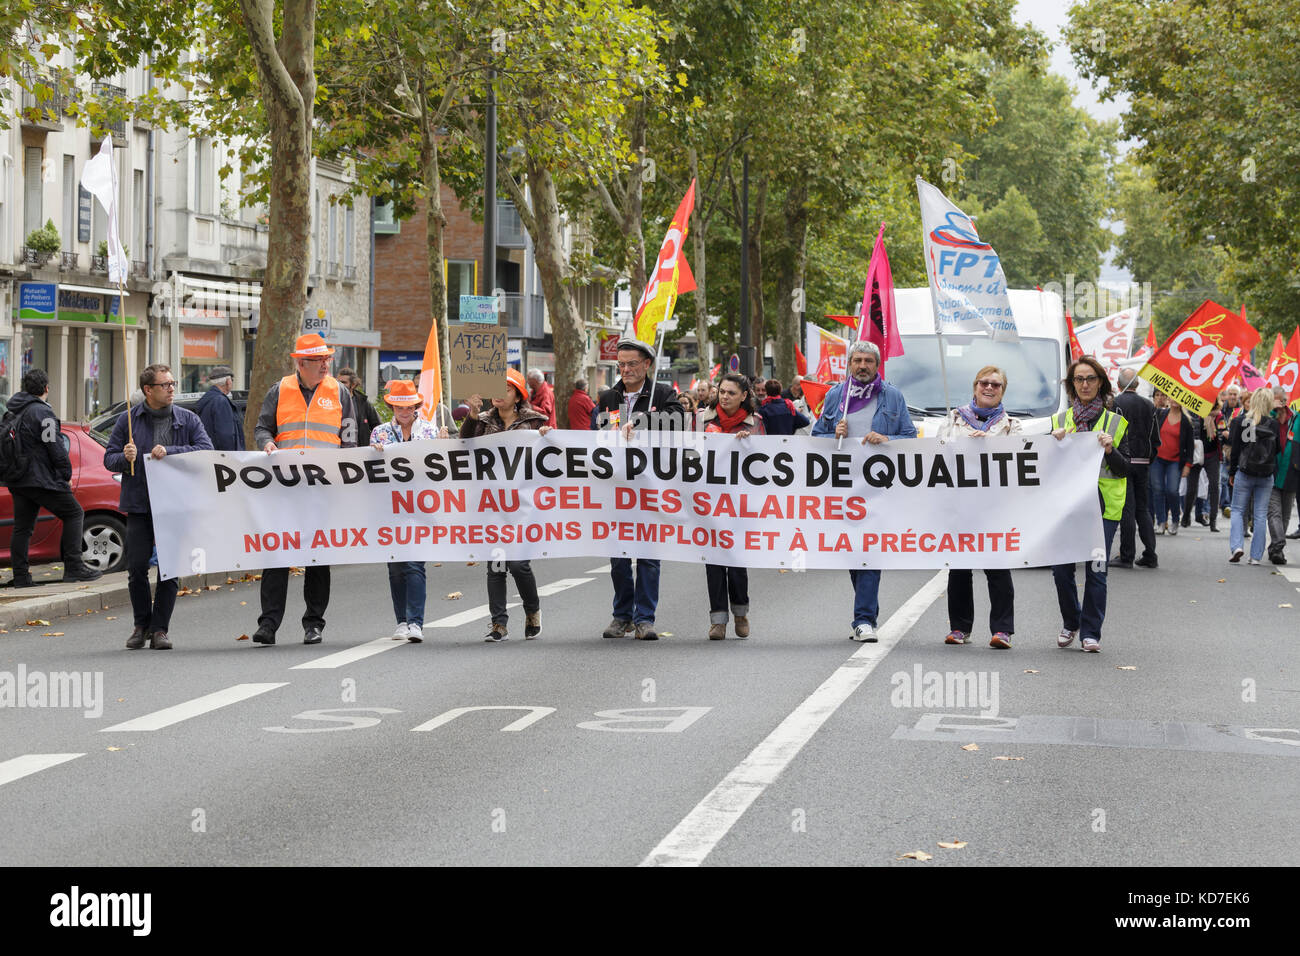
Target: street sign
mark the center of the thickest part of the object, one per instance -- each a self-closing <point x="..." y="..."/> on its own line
<point x="480" y="309"/>
<point x="316" y="320"/>
<point x="733" y="363"/>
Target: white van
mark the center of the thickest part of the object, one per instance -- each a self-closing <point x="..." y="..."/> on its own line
<point x="1035" y="366"/>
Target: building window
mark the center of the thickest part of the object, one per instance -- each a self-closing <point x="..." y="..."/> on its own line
<point x="69" y="202"/>
<point x="460" y="281"/>
<point x="35" y="348"/>
<point x="33" y="189"/>
<point x="349" y="227"/>
<point x="137" y="186"/>
<point x="333" y="239"/>
<point x="203" y="183"/>
<point x="317" y="231"/>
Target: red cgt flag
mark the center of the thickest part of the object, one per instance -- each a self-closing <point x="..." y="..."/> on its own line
<point x="815" y="394"/>
<point x="1201" y="357"/>
<point x="1076" y="350"/>
<point x="879" y="323"/>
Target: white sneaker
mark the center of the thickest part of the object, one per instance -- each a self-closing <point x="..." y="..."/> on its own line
<point x="400" y="633"/>
<point x="1162" y="528"/>
<point x="415" y="632"/>
<point x="1091" y="644"/>
<point x="1066" y="637"/>
<point x="1254" y="561"/>
<point x="1173" y="527"/>
<point x="864" y="634"/>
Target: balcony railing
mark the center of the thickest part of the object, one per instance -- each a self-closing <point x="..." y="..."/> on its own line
<point x="510" y="228"/>
<point x="35" y="257"/>
<point x="349" y="273"/>
<point x="525" y="315"/>
<point x="68" y="262"/>
<point x="44" y="107"/>
<point x="99" y="264"/>
<point x="140" y="269"/>
<point x="114" y="96"/>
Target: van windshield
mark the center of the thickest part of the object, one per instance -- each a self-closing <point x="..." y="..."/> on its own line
<point x="1033" y="368"/>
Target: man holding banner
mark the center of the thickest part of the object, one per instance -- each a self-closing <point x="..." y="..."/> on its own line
<point x="875" y="412"/>
<point x="308" y="409"/>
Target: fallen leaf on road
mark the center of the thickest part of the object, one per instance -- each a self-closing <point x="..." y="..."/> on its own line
<point x="784" y="571"/>
<point x="1008" y="758"/>
<point x="437" y="564"/>
<point x="230" y="580"/>
<point x="1191" y="602"/>
<point x="213" y="587"/>
<point x="665" y="633"/>
<point x="1284" y="605"/>
<point x="242" y="637"/>
<point x="121" y="699"/>
<point x="38" y="623"/>
<point x="917" y="855"/>
<point x="971" y="747"/>
<point x="111" y="617"/>
<point x="1031" y="672"/>
<point x="243" y="604"/>
<point x="1125" y="667"/>
<point x="470" y="564"/>
<point x="22" y="628"/>
<point x="454" y="596"/>
<point x="114" y="748"/>
<point x="52" y="634"/>
<point x="954" y="845"/>
<point x="183" y="591"/>
<point x="1223" y="580"/>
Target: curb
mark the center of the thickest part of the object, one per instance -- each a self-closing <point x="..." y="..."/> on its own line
<point x="94" y="598"/>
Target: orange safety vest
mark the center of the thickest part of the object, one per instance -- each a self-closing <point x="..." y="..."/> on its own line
<point x="315" y="424"/>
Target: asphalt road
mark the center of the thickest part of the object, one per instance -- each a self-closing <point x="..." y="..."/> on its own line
<point x="1178" y="744"/>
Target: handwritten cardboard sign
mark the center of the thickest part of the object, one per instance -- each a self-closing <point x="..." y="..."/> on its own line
<point x="478" y="359"/>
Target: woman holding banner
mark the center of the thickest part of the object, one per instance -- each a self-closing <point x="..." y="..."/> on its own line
<point x="734" y="413"/>
<point x="510" y="412"/>
<point x="1089" y="391"/>
<point x="405" y="578"/>
<point x="984" y="416"/>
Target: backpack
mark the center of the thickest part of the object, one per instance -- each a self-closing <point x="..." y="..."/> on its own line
<point x="14" y="463"/>
<point x="1259" y="457"/>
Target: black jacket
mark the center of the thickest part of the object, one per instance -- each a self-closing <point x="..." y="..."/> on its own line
<point x="1236" y="438"/>
<point x="220" y="420"/>
<point x="1140" y="413"/>
<point x="367" y="418"/>
<point x="656" y="409"/>
<point x="41" y="435"/>
<point x="1185" y="433"/>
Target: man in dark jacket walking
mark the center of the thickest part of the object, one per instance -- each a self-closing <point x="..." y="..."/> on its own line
<point x="164" y="429"/>
<point x="1142" y="443"/>
<point x="218" y="412"/>
<point x="45" y="484"/>
<point x="637" y="401"/>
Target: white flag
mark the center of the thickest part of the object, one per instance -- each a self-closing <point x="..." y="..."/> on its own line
<point x="966" y="278"/>
<point x="99" y="178"/>
<point x="1109" y="339"/>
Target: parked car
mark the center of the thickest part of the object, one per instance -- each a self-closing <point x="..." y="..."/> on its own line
<point x="97" y="490"/>
<point x="101" y="426"/>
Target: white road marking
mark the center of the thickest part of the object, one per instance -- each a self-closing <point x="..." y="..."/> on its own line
<point x="555" y="587"/>
<point x="27" y="764"/>
<point x="193" y="708"/>
<point x="349" y="654"/>
<point x="1291" y="574"/>
<point x="466" y="617"/>
<point x="713" y="817"/>
<point x="603" y="569"/>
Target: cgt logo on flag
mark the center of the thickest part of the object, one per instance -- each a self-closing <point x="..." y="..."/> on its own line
<point x="671" y="276"/>
<point x="1201" y="357"/>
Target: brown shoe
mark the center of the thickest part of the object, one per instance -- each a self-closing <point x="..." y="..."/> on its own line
<point x="136" y="640"/>
<point x="532" y="625"/>
<point x="742" y="626"/>
<point x="718" y="632"/>
<point x="159" y="641"/>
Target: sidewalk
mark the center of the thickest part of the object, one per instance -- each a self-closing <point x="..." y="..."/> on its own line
<point x="54" y="599"/>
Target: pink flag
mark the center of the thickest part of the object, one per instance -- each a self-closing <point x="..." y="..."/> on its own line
<point x="1250" y="377"/>
<point x="879" y="322"/>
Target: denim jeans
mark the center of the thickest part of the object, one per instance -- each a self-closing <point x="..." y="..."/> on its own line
<point x="635" y="602"/>
<point x="1087" y="619"/>
<point x="1164" y="483"/>
<point x="726" y="583"/>
<point x="866" y="596"/>
<point x="406" y="583"/>
<point x="1252" y="492"/>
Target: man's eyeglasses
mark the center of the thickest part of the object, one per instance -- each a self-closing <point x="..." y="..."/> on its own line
<point x="985" y="383"/>
<point x="624" y="365"/>
<point x="169" y="385"/>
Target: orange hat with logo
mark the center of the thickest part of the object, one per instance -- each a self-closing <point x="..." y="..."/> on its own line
<point x="402" y="393"/>
<point x="311" y="345"/>
<point x="520" y="384"/>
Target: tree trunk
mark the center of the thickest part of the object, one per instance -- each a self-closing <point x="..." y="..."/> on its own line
<point x="567" y="327"/>
<point x="757" y="325"/>
<point x="794" y="265"/>
<point x="286" y="71"/>
<point x="698" y="231"/>
<point x="435" y="222"/>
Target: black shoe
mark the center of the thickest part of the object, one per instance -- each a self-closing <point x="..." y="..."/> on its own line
<point x="1147" y="561"/>
<point x="83" y="573"/>
<point x="1186" y="522"/>
<point x="1277" y="558"/>
<point x="1294" y="535"/>
<point x="1121" y="564"/>
<point x="263" y="636"/>
<point x="1214" y="528"/>
<point x="22" y="581"/>
<point x="160" y="642"/>
<point x="1202" y="520"/>
<point x="136" y="640"/>
<point x="311" y="636"/>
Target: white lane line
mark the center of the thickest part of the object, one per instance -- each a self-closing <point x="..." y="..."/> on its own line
<point x="603" y="569"/>
<point x="27" y="764"/>
<point x="349" y="654"/>
<point x="1291" y="574"/>
<point x="193" y="708"/>
<point x="466" y="617"/>
<point x="555" y="587"/>
<point x="713" y="817"/>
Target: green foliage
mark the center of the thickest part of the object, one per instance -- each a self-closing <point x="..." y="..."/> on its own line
<point x="45" y="239"/>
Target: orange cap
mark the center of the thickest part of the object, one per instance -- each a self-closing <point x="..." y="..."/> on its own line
<point x="515" y="378"/>
<point x="402" y="393"/>
<point x="311" y="345"/>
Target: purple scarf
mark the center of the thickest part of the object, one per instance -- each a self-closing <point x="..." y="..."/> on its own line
<point x="860" y="395"/>
<point x="980" y="419"/>
<point x="1086" y="413"/>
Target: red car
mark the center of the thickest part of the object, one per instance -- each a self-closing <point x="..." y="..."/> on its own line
<point x="98" y="491"/>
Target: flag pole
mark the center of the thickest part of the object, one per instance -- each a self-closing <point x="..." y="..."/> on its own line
<point x="121" y="314"/>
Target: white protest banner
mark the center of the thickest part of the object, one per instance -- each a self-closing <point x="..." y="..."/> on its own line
<point x="966" y="278"/>
<point x="1109" y="340"/>
<point x="763" y="502"/>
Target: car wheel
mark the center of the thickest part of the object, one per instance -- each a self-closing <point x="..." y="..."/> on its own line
<point x="103" y="542"/>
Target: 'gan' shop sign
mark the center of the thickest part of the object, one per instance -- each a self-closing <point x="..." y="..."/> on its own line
<point x="762" y="502"/>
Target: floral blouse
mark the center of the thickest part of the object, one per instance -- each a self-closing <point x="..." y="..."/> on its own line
<point x="390" y="433"/>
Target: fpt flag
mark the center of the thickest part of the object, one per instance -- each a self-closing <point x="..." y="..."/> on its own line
<point x="879" y="322"/>
<point x="671" y="276"/>
<point x="966" y="278"/>
<point x="1201" y="357"/>
<point x="99" y="178"/>
<point x="431" y="376"/>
